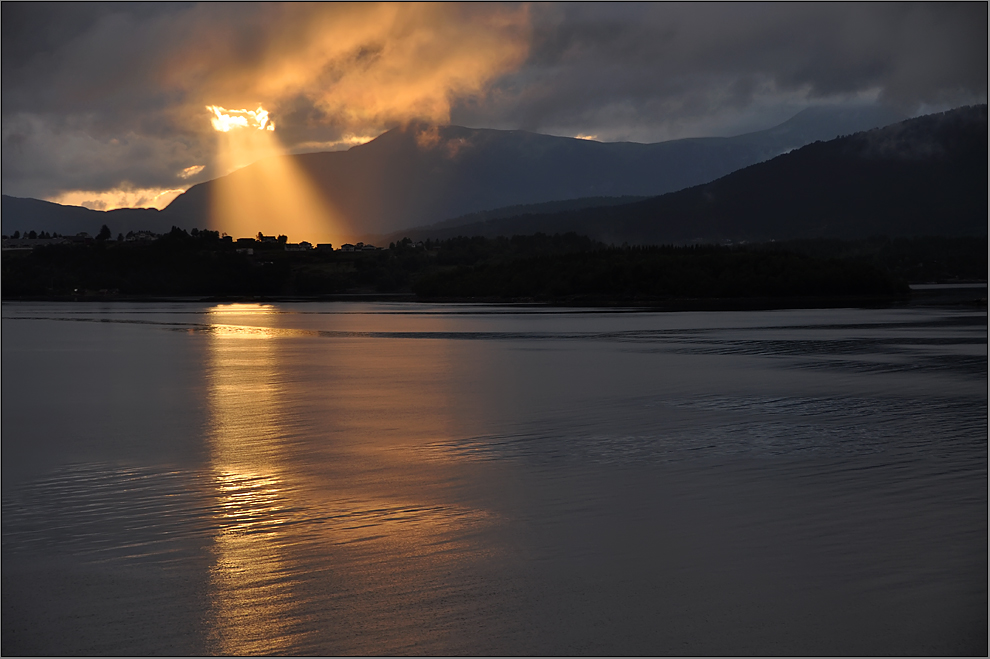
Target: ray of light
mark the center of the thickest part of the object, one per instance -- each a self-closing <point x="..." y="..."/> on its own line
<point x="274" y="195"/>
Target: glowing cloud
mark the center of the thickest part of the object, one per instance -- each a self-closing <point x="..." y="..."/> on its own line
<point x="223" y="119"/>
<point x="191" y="171"/>
<point x="346" y="69"/>
<point x="345" y="142"/>
<point x="108" y="200"/>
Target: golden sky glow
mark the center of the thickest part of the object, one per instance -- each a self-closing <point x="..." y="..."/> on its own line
<point x="366" y="67"/>
<point x="224" y="120"/>
<point x="106" y="200"/>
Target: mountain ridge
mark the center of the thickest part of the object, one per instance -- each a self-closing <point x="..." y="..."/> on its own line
<point x="923" y="176"/>
<point x="422" y="175"/>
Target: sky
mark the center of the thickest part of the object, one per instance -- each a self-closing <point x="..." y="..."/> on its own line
<point x="114" y="105"/>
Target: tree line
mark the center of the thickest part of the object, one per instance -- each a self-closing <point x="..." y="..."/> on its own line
<point x="539" y="267"/>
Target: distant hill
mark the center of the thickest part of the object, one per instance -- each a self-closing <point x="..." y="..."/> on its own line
<point x="425" y="174"/>
<point x="25" y="215"/>
<point x="924" y="176"/>
<point x="482" y="217"/>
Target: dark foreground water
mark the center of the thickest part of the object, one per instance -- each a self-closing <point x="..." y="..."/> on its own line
<point x="354" y="478"/>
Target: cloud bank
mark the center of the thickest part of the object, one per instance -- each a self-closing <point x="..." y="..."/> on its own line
<point x="649" y="72"/>
<point x="111" y="98"/>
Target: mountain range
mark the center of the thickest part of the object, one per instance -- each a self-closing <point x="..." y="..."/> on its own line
<point x="923" y="176"/>
<point x="420" y="174"/>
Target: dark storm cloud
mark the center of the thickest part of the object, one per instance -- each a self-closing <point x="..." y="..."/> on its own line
<point x="82" y="103"/>
<point x="111" y="96"/>
<point x="665" y="70"/>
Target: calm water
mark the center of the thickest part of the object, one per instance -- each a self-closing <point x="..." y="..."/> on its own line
<point x="352" y="478"/>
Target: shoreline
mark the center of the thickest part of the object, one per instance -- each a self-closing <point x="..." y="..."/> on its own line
<point x="963" y="294"/>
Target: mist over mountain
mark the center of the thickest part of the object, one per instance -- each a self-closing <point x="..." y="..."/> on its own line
<point x="427" y="174"/>
<point x="924" y="176"/>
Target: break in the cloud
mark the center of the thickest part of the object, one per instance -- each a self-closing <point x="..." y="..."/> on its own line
<point x="111" y="99"/>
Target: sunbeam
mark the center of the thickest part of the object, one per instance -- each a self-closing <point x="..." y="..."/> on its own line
<point x="274" y="196"/>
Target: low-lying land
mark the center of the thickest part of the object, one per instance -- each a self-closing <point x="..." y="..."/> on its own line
<point x="565" y="268"/>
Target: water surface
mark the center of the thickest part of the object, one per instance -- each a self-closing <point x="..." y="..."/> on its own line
<point x="359" y="478"/>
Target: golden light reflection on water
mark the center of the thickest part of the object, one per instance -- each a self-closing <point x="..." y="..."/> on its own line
<point x="243" y="401"/>
<point x="319" y="494"/>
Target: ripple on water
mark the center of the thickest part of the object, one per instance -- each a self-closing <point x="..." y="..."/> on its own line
<point x="748" y="425"/>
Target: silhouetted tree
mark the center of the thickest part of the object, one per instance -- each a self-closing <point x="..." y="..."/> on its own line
<point x="104" y="233"/>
